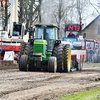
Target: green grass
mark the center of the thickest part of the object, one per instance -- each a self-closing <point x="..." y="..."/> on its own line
<point x="85" y="95"/>
<point x="91" y="64"/>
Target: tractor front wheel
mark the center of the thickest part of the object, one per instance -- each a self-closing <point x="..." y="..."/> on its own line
<point x="29" y="49"/>
<point x="23" y="63"/>
<point x="52" y="64"/>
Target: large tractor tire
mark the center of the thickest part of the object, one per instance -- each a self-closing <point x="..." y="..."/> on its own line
<point x="52" y="64"/>
<point x="23" y="63"/>
<point x="22" y="49"/>
<point x="58" y="53"/>
<point x="67" y="58"/>
<point x="29" y="52"/>
<point x="29" y="49"/>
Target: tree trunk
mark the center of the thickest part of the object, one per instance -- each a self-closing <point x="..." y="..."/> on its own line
<point x="6" y="14"/>
<point x="21" y="11"/>
<point x="59" y="16"/>
<point x="39" y="11"/>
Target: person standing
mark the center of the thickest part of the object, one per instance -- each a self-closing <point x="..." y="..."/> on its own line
<point x="71" y="35"/>
<point x="91" y="55"/>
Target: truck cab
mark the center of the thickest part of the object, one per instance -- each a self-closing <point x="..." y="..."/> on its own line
<point x="17" y="31"/>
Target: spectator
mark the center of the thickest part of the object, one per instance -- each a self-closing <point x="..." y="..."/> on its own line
<point x="91" y="55"/>
<point x="71" y="35"/>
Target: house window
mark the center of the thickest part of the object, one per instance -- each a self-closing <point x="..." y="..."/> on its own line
<point x="98" y="29"/>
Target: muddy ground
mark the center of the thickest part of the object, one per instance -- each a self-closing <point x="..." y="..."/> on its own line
<point x="17" y="85"/>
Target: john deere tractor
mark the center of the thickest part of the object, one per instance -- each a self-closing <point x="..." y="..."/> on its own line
<point x="44" y="51"/>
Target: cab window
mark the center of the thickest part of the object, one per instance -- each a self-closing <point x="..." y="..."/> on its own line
<point x="50" y="33"/>
<point x="38" y="33"/>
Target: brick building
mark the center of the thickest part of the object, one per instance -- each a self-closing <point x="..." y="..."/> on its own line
<point x="92" y="30"/>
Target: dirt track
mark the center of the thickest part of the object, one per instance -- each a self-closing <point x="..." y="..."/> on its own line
<point x="17" y="85"/>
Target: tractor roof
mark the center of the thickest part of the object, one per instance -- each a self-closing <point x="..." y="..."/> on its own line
<point x="17" y="23"/>
<point x="40" y="24"/>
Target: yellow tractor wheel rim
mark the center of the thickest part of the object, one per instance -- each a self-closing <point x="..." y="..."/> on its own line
<point x="69" y="58"/>
<point x="24" y="52"/>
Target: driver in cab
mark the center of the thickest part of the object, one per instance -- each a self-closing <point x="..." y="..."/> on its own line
<point x="49" y="34"/>
<point x="71" y="35"/>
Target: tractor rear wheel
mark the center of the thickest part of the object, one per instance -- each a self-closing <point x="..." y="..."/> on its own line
<point x="58" y="52"/>
<point x="23" y="63"/>
<point x="22" y="49"/>
<point x="29" y="49"/>
<point x="52" y="64"/>
<point x="67" y="58"/>
<point x="29" y="52"/>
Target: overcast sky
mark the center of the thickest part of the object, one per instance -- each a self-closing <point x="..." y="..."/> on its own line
<point x="90" y="10"/>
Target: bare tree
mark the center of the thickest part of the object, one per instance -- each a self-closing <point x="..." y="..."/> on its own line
<point x="39" y="11"/>
<point x="4" y="15"/>
<point x="29" y="11"/>
<point x="60" y="13"/>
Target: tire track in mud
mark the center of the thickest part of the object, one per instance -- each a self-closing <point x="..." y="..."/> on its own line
<point x="31" y="83"/>
<point x="14" y="81"/>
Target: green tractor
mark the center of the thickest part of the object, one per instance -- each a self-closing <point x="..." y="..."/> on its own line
<point x="44" y="51"/>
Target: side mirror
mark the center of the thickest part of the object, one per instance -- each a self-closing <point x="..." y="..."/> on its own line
<point x="84" y="35"/>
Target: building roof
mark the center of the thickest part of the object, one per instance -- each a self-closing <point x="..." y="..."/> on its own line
<point x="91" y="22"/>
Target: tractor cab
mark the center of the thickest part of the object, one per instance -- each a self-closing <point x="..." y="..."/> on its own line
<point x="45" y="32"/>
